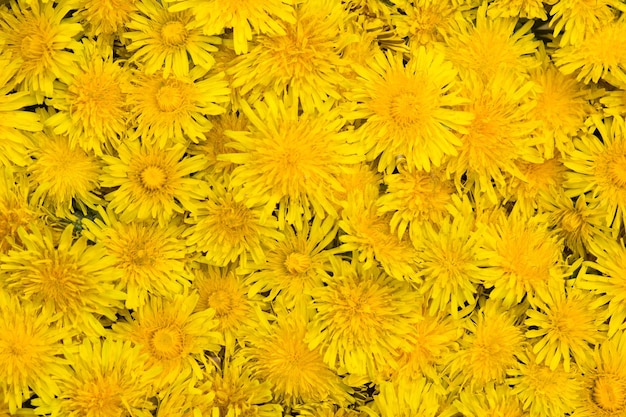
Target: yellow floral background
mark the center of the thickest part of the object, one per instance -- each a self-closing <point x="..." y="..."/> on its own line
<point x="317" y="208"/>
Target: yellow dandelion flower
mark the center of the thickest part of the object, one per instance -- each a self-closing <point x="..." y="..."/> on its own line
<point x="279" y="354"/>
<point x="245" y="18"/>
<point x="38" y="38"/>
<point x="364" y="318"/>
<point x="171" y="108"/>
<point x="238" y="393"/>
<point x="108" y="378"/>
<point x="528" y="9"/>
<point x="172" y="334"/>
<point x="361" y="181"/>
<point x="69" y="278"/>
<point x="63" y="177"/>
<point x="30" y="352"/>
<point x="227" y="230"/>
<point x="14" y="120"/>
<point x="291" y="159"/>
<point x="451" y="265"/>
<point x="104" y="17"/>
<point x="415" y="197"/>
<point x="576" y="20"/>
<point x="152" y="182"/>
<point x="216" y="143"/>
<point x="499" y="134"/>
<point x="564" y="327"/>
<point x="411" y="110"/>
<point x="304" y="62"/>
<point x="543" y="391"/>
<point x="91" y="106"/>
<point x="435" y="338"/>
<point x="614" y="103"/>
<point x="296" y="264"/>
<point x="15" y="209"/>
<point x="537" y="184"/>
<point x="183" y="398"/>
<point x="491" y="45"/>
<point x="420" y="399"/>
<point x="527" y="259"/>
<point x="606" y="278"/>
<point x="426" y="22"/>
<point x="562" y="107"/>
<point x="369" y="237"/>
<point x="150" y="257"/>
<point x="577" y="223"/>
<point x="605" y="384"/>
<point x="598" y="165"/>
<point x="493" y="401"/>
<point x="167" y="41"/>
<point x="602" y="54"/>
<point x="489" y="348"/>
<point x="224" y="291"/>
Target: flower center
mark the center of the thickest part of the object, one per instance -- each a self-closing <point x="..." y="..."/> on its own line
<point x="221" y="301"/>
<point x="618" y="170"/>
<point x="169" y="98"/>
<point x="153" y="177"/>
<point x="174" y="33"/>
<point x="297" y="263"/>
<point x="408" y="108"/>
<point x="167" y="342"/>
<point x="34" y="47"/>
<point x="608" y="393"/>
<point x="572" y="221"/>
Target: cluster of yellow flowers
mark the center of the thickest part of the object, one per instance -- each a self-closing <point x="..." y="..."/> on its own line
<point x="354" y="208"/>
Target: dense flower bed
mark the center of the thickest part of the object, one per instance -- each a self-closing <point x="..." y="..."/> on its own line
<point x="312" y="207"/>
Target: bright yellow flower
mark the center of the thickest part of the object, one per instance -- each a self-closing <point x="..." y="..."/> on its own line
<point x="69" y="278"/>
<point x="239" y="393"/>
<point x="245" y="17"/>
<point x="104" y="17"/>
<point x="545" y="392"/>
<point x="369" y="237"/>
<point x="63" y="177"/>
<point x="13" y="120"/>
<point x="167" y="41"/>
<point x="412" y="110"/>
<point x="150" y="257"/>
<point x="498" y="136"/>
<point x="598" y="166"/>
<point x="364" y="318"/>
<point x="528" y="9"/>
<point x="427" y="22"/>
<point x="415" y="197"/>
<point x="108" y="378"/>
<point x="491" y="45"/>
<point x="15" y="209"/>
<point x="91" y="106"/>
<point x="605" y="384"/>
<point x="30" y="352"/>
<point x="303" y="63"/>
<point x="183" y="397"/>
<point x="577" y="20"/>
<point x="291" y="159"/>
<point x="493" y="401"/>
<point x="564" y="327"/>
<point x="490" y="346"/>
<point x="172" y="334"/>
<point x="152" y="182"/>
<point x="296" y="264"/>
<point x="38" y="38"/>
<point x="606" y="278"/>
<point x="418" y="399"/>
<point x="527" y="259"/>
<point x="602" y="54"/>
<point x="451" y="265"/>
<point x="562" y="107"/>
<point x="223" y="290"/>
<point x="228" y="230"/>
<point x="176" y="108"/>
<point x="279" y="354"/>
